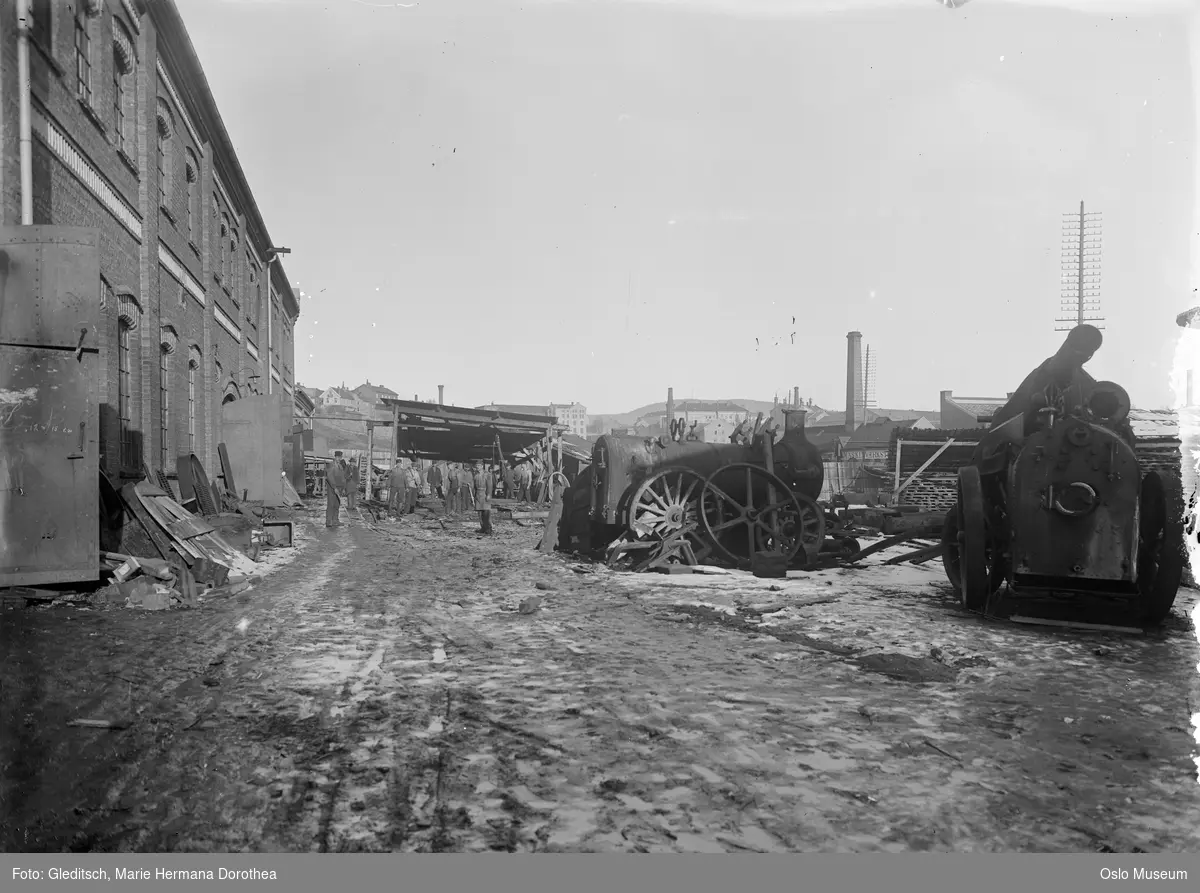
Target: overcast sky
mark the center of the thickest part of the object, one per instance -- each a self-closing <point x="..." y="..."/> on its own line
<point x="593" y="201"/>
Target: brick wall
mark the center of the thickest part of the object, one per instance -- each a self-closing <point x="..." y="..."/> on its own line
<point x="155" y="262"/>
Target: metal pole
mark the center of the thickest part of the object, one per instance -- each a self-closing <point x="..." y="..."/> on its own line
<point x="25" y="112"/>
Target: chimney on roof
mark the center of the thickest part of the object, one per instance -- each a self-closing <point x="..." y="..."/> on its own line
<point x="853" y="378"/>
<point x="441" y="395"/>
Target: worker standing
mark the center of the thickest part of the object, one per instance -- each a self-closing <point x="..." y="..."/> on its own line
<point x="435" y="481"/>
<point x="451" y="499"/>
<point x="413" y="480"/>
<point x="335" y="485"/>
<point x="465" y="485"/>
<point x="484" y="483"/>
<point x="397" y="483"/>
<point x="352" y="485"/>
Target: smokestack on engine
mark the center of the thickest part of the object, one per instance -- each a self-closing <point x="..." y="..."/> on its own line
<point x="796" y="396"/>
<point x="853" y="379"/>
<point x="441" y="395"/>
<point x="670" y="406"/>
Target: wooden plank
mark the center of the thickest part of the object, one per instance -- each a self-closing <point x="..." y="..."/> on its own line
<point x="886" y="544"/>
<point x="1072" y="624"/>
<point x="158" y="536"/>
<point x="227" y="470"/>
<point x="164" y="519"/>
<point x="186" y="528"/>
<point x="924" y="553"/>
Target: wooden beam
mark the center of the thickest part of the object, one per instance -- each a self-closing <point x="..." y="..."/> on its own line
<point x="912" y="477"/>
<point x="896" y="481"/>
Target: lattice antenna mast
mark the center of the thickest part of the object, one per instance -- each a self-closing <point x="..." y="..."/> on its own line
<point x="870" y="360"/>
<point x="1081" y="243"/>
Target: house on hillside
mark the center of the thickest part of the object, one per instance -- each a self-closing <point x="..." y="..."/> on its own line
<point x="373" y="394"/>
<point x="342" y="398"/>
<point x="968" y="412"/>
<point x="303" y="407"/>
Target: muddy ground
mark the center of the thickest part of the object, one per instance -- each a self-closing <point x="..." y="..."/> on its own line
<point x="382" y="692"/>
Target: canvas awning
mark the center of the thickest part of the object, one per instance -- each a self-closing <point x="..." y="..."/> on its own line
<point x="456" y="434"/>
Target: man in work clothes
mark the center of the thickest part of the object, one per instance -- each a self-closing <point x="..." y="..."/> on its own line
<point x="484" y="484"/>
<point x="466" y="483"/>
<point x="397" y="484"/>
<point x="435" y="481"/>
<point x="335" y="485"/>
<point x="450" y="500"/>
<point x="413" y="480"/>
<point x="351" y="484"/>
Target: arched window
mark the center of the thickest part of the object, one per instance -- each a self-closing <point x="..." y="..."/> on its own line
<point x="224" y="243"/>
<point x="129" y="315"/>
<point x="194" y="359"/>
<point x="165" y="126"/>
<point x="191" y="175"/>
<point x="167" y="342"/>
<point x="124" y="96"/>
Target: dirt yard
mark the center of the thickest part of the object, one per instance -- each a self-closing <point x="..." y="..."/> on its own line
<point x="381" y="691"/>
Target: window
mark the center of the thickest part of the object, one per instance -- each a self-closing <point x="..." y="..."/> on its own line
<point x="233" y="246"/>
<point x="83" y="56"/>
<point x="122" y="97"/>
<point x="190" y="175"/>
<point x="193" y="366"/>
<point x="41" y="22"/>
<point x="164" y="390"/>
<point x="129" y="457"/>
<point x="162" y="163"/>
<point x="223" y="247"/>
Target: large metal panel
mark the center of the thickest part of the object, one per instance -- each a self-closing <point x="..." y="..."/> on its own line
<point x="49" y="466"/>
<point x="49" y="286"/>
<point x="253" y="438"/>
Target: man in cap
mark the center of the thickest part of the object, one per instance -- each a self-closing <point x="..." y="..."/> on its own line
<point x="352" y="484"/>
<point x="335" y="485"/>
<point x="435" y="480"/>
<point x="413" y="480"/>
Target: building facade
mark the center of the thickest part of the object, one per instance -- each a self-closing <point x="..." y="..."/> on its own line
<point x="699" y="411"/>
<point x="573" y="416"/>
<point x="195" y="309"/>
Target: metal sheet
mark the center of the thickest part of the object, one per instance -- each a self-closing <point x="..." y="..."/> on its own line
<point x="49" y="467"/>
<point x="49" y="286"/>
<point x="1097" y="545"/>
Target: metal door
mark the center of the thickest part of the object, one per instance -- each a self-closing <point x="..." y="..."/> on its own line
<point x="49" y="286"/>
<point x="49" y="418"/>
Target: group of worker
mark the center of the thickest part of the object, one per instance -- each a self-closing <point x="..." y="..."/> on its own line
<point x="460" y="487"/>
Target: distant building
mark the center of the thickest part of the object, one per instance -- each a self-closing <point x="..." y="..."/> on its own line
<point x="716" y="431"/>
<point x="342" y="398"/>
<point x="700" y="411"/>
<point x="572" y="416"/>
<point x="372" y="397"/>
<point x="968" y="412"/>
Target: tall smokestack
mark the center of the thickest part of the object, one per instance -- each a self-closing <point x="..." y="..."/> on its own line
<point x="670" y="406"/>
<point x="853" y="379"/>
<point x="796" y="396"/>
<point x="441" y="395"/>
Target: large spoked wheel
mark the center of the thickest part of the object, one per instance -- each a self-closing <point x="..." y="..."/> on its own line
<point x="950" y="550"/>
<point x="746" y="509"/>
<point x="1161" y="549"/>
<point x="665" y="502"/>
<point x="976" y="565"/>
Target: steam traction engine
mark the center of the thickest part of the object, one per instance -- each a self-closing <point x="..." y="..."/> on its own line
<point x="648" y="501"/>
<point x="1055" y="502"/>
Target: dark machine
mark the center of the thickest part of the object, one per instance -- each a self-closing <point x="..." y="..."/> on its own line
<point x="1055" y="503"/>
<point x="646" y="501"/>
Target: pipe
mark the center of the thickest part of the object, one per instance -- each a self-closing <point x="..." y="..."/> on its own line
<point x="796" y="397"/>
<point x="441" y="395"/>
<point x="25" y="119"/>
<point x="270" y="331"/>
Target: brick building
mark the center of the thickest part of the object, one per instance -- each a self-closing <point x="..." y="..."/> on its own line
<point x="195" y="308"/>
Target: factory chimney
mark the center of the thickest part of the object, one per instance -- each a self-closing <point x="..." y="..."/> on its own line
<point x="670" y="406"/>
<point x="441" y="395"/>
<point x="853" y="379"/>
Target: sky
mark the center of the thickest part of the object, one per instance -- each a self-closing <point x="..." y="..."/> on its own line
<point x="564" y="200"/>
